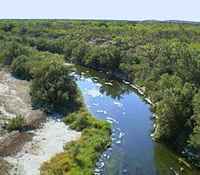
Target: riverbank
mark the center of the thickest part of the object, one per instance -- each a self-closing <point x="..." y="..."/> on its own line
<point x="80" y="157"/>
<point x="24" y="152"/>
<point x="46" y="142"/>
<point x="15" y="100"/>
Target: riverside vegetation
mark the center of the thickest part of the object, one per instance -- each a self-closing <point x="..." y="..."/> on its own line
<point x="54" y="90"/>
<point x="162" y="58"/>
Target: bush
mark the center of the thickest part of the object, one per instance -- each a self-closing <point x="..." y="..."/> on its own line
<point x="13" y="51"/>
<point x="82" y="119"/>
<point x="16" y="123"/>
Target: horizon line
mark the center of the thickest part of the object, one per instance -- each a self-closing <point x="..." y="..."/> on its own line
<point x="107" y="19"/>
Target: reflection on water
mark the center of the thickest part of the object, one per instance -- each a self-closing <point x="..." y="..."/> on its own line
<point x="106" y="86"/>
<point x="132" y="152"/>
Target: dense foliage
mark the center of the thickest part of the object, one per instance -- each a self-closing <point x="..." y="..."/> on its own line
<point x="52" y="88"/>
<point x="162" y="58"/>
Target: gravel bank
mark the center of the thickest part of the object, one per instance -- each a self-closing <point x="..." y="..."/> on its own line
<point x="22" y="153"/>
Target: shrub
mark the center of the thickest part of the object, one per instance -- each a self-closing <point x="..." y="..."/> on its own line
<point x="82" y="119"/>
<point x="16" y="123"/>
<point x="13" y="51"/>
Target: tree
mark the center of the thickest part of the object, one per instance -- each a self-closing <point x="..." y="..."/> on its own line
<point x="20" y="67"/>
<point x="68" y="48"/>
<point x="174" y="109"/>
<point x="195" y="136"/>
<point x="52" y="87"/>
<point x="8" y="27"/>
<point x="79" y="52"/>
<point x="13" y="51"/>
<point x="104" y="57"/>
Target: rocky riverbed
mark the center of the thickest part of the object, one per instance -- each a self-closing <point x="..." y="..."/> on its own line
<point x="22" y="153"/>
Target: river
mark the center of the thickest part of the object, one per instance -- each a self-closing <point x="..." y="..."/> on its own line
<point x="133" y="152"/>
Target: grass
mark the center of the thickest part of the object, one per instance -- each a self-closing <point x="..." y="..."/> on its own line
<point x="79" y="157"/>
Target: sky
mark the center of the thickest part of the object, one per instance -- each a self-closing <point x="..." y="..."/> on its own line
<point x="102" y="9"/>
